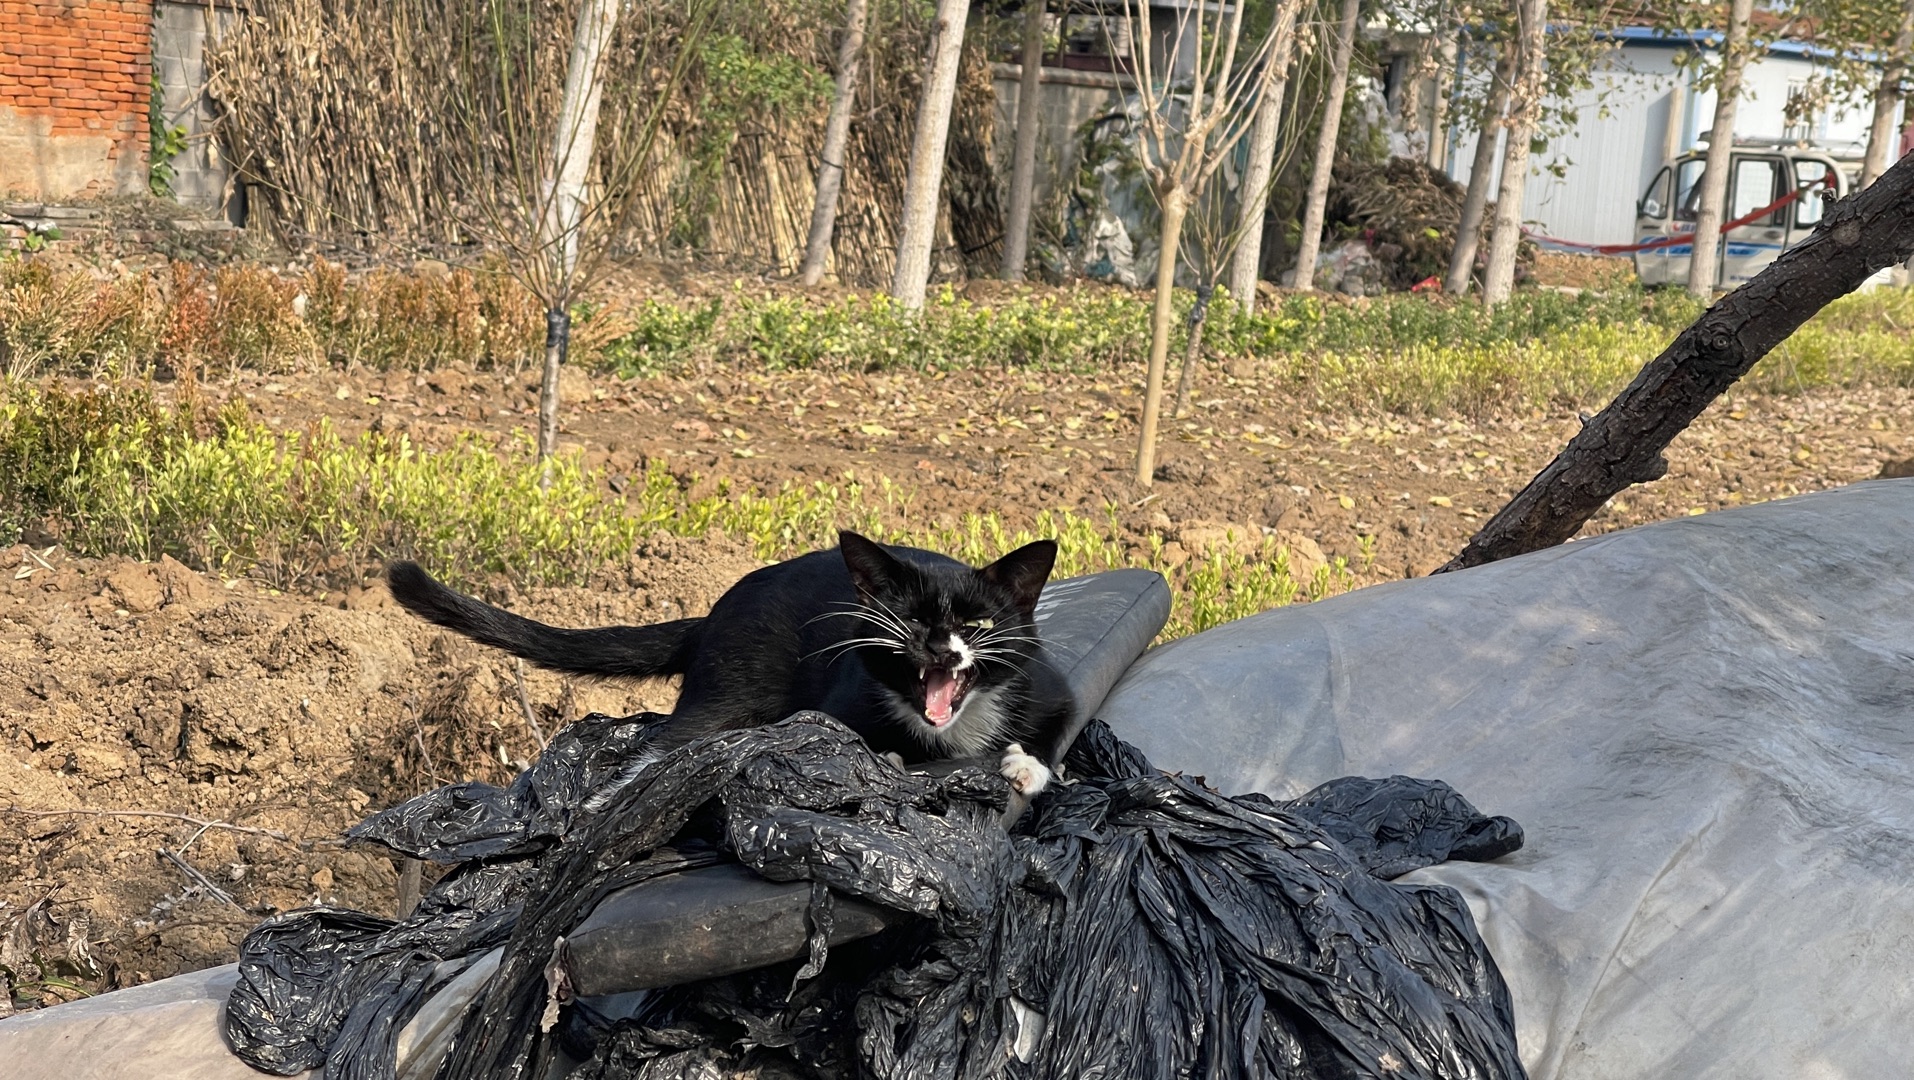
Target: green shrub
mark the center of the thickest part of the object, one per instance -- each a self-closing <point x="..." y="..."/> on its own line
<point x="68" y="322"/>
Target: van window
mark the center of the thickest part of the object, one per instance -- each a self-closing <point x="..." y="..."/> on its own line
<point x="1814" y="178"/>
<point x="1654" y="202"/>
<point x="1757" y="182"/>
<point x="1688" y="189"/>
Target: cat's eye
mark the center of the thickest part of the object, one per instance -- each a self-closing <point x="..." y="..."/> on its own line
<point x="981" y="624"/>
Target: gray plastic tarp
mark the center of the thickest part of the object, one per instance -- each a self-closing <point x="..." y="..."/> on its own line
<point x="167" y="1030"/>
<point x="1705" y="726"/>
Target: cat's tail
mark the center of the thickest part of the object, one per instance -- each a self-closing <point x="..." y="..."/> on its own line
<point x="636" y="651"/>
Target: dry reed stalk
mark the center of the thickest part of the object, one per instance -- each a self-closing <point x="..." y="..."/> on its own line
<point x="341" y="114"/>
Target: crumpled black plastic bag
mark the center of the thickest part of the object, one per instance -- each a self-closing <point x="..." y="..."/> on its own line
<point x="1401" y="824"/>
<point x="480" y="821"/>
<point x="1159" y="928"/>
<point x="312" y="980"/>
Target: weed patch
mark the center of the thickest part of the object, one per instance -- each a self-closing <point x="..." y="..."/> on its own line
<point x="110" y="472"/>
<point x="1402" y="353"/>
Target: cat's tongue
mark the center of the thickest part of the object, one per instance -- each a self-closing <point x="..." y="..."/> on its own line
<point x="940" y="689"/>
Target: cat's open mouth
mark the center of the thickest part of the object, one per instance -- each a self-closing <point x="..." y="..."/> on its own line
<point x="943" y="693"/>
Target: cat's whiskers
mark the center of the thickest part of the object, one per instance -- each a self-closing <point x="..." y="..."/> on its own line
<point x="837" y="648"/>
<point x="885" y="619"/>
<point x="995" y="638"/>
<point x="1014" y="660"/>
<point x="895" y="621"/>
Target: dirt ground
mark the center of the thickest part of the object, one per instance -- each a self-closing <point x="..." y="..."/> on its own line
<point x="139" y="703"/>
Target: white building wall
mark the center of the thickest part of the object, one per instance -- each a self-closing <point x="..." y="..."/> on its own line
<point x="1608" y="160"/>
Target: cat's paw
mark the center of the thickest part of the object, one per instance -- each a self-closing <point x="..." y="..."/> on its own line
<point x="895" y="758"/>
<point x="1025" y="773"/>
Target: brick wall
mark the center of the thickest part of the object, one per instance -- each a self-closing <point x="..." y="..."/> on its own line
<point x="74" y="85"/>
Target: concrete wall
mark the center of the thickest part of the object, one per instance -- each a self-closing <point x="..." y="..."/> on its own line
<point x="1070" y="99"/>
<point x="74" y="86"/>
<point x="180" y="34"/>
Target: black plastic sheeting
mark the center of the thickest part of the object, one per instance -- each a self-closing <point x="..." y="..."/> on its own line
<point x="1145" y="925"/>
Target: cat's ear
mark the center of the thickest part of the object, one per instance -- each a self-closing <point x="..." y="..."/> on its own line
<point x="1023" y="571"/>
<point x="873" y="570"/>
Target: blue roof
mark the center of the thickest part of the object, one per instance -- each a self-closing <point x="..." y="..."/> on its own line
<point x="1709" y="39"/>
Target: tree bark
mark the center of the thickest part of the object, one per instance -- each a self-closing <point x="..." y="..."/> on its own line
<point x="1468" y="235"/>
<point x="573" y="141"/>
<point x="1705" y="263"/>
<point x="558" y="335"/>
<point x="1438" y="149"/>
<point x="1318" y="198"/>
<point x="1882" y="138"/>
<point x="926" y="174"/>
<point x="1675" y="131"/>
<point x="1023" y="168"/>
<point x="837" y="134"/>
<point x="411" y="883"/>
<point x="1246" y="262"/>
<point x="1623" y="444"/>
<point x="1175" y="205"/>
<point x="1525" y="104"/>
<point x="1199" y="315"/>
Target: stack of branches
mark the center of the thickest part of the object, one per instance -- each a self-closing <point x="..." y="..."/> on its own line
<point x="1409" y="214"/>
<point x="350" y="120"/>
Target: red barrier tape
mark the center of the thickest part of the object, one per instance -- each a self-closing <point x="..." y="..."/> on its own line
<point x="1678" y="238"/>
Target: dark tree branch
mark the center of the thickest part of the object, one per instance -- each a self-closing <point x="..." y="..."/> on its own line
<point x="1623" y="444"/>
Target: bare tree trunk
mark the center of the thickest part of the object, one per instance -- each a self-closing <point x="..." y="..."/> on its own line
<point x="1438" y="149"/>
<point x="1475" y="201"/>
<point x="1175" y="206"/>
<point x="558" y="334"/>
<point x="837" y="133"/>
<point x="1623" y="444"/>
<point x="1023" y="168"/>
<point x="1246" y="262"/>
<point x="1673" y="134"/>
<point x="1706" y="260"/>
<point x="573" y="141"/>
<point x="1882" y="139"/>
<point x="926" y="175"/>
<point x="1525" y="103"/>
<point x="1318" y="197"/>
<point x="1199" y="316"/>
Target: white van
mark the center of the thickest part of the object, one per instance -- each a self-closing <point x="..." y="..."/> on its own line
<point x="1761" y="175"/>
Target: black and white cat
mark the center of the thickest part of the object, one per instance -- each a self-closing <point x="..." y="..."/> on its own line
<point x="923" y="656"/>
